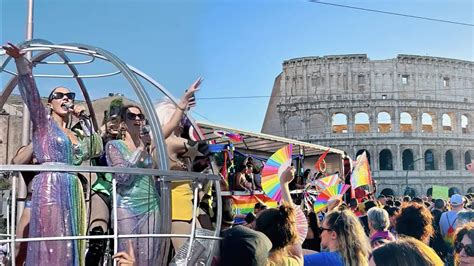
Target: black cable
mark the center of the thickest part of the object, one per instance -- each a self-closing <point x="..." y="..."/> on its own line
<point x="392" y="13"/>
<point x="440" y="91"/>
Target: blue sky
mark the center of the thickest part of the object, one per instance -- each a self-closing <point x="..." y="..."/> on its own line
<point x="238" y="46"/>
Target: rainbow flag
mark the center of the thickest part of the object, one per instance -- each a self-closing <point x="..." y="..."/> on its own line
<point x="245" y="204"/>
<point x="327" y="181"/>
<point x="361" y="174"/>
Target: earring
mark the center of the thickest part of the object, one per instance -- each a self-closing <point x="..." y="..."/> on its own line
<point x="122" y="131"/>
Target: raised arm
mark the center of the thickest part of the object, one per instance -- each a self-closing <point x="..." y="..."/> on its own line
<point x="28" y="90"/>
<point x="285" y="180"/>
<point x="188" y="100"/>
<point x="295" y="250"/>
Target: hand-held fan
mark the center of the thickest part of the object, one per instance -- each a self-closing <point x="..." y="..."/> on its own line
<point x="275" y="166"/>
<point x="336" y="191"/>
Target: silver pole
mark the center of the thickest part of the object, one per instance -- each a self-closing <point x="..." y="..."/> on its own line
<point x="25" y="137"/>
<point x="193" y="222"/>
<point x="13" y="229"/>
<point x="114" y="210"/>
<point x="8" y="198"/>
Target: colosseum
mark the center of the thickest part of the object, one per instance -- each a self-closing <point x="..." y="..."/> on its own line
<point x="412" y="114"/>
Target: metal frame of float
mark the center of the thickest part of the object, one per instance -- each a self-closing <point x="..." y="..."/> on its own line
<point x="45" y="49"/>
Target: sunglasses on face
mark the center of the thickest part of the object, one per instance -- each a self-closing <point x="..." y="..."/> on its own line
<point x="469" y="249"/>
<point x="321" y="229"/>
<point x="133" y="116"/>
<point x="60" y="95"/>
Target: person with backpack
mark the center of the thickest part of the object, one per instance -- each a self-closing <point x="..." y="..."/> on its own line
<point x="448" y="223"/>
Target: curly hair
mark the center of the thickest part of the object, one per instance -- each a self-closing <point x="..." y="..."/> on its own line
<point x="279" y="225"/>
<point x="352" y="241"/>
<point x="415" y="220"/>
<point x="466" y="230"/>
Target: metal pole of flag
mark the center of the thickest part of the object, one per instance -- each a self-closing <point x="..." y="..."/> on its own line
<point x="408" y="169"/>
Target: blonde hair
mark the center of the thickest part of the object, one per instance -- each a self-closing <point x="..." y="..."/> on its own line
<point x="352" y="243"/>
<point x="165" y="110"/>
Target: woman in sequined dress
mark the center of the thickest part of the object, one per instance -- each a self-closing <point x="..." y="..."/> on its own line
<point x="137" y="199"/>
<point x="57" y="205"/>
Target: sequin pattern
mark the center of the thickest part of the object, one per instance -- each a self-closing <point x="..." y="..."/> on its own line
<point x="137" y="202"/>
<point x="58" y="207"/>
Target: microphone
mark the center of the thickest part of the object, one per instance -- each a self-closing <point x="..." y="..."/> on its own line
<point x="82" y="114"/>
<point x="69" y="106"/>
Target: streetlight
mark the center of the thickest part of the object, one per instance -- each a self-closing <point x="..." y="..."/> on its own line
<point x="408" y="168"/>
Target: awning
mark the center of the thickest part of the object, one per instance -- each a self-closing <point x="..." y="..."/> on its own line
<point x="259" y="143"/>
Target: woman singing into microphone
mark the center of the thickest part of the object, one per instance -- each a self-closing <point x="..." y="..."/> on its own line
<point x="137" y="197"/>
<point x="57" y="204"/>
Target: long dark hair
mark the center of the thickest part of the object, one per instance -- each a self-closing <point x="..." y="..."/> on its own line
<point x="314" y="224"/>
<point x="122" y="114"/>
<point x="279" y="225"/>
<point x="123" y="111"/>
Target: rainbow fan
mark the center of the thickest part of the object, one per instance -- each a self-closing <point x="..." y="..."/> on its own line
<point x="276" y="164"/>
<point x="301" y="224"/>
<point x="228" y="136"/>
<point x="332" y="192"/>
<point x="327" y="181"/>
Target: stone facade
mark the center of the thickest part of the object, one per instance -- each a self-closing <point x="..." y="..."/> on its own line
<point x="413" y="114"/>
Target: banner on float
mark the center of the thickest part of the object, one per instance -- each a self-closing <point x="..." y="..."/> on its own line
<point x="245" y="204"/>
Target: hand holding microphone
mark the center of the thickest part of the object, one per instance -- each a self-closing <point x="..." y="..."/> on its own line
<point x="145" y="136"/>
<point x="76" y="110"/>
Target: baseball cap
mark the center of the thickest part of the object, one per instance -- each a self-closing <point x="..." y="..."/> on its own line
<point x="244" y="246"/>
<point x="456" y="200"/>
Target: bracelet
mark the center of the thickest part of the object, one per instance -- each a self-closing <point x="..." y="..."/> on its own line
<point x="182" y="109"/>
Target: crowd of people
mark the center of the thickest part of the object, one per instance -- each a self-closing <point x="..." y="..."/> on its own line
<point x="364" y="230"/>
<point x="386" y="230"/>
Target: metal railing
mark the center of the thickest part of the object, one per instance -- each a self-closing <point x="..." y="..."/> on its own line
<point x="43" y="50"/>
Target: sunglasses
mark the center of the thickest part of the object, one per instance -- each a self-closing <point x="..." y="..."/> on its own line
<point x="60" y="95"/>
<point x="468" y="248"/>
<point x="133" y="116"/>
<point x="334" y="224"/>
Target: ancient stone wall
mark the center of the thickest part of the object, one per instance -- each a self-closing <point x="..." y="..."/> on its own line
<point x="413" y="114"/>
